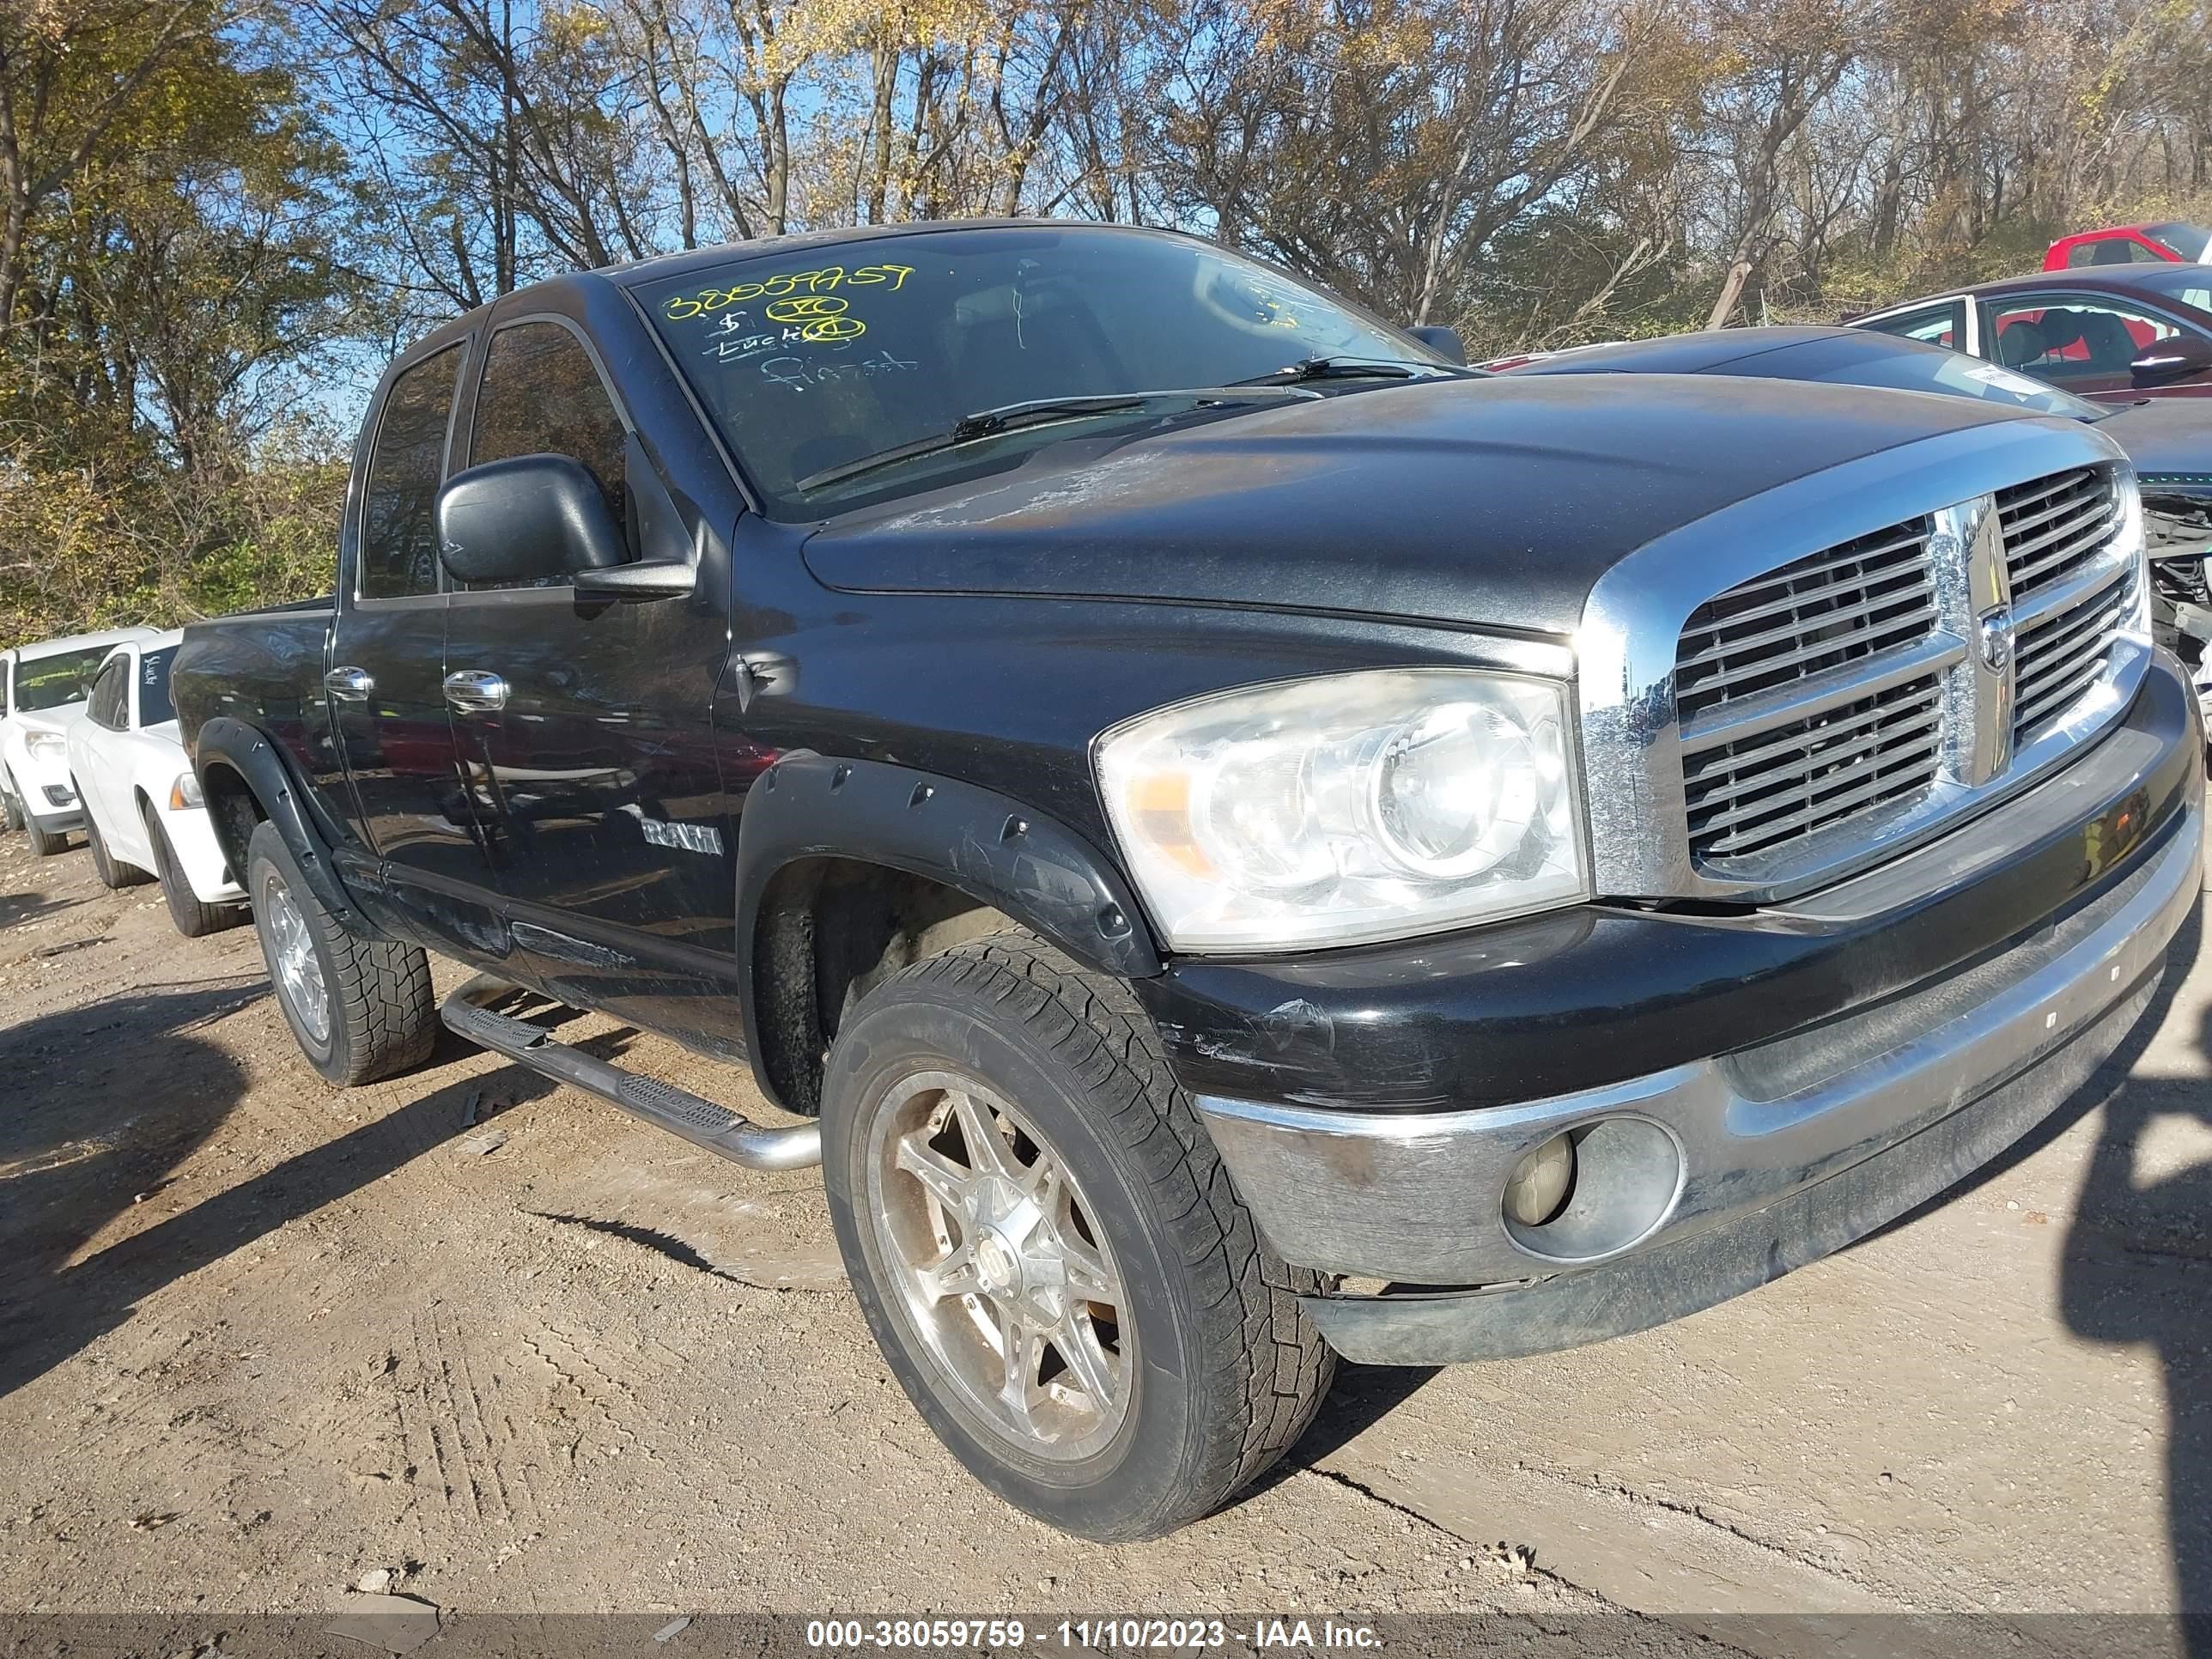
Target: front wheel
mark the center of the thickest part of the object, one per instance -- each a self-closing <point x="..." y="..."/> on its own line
<point x="359" y="1007"/>
<point x="12" y="810"/>
<point x="1047" y="1247"/>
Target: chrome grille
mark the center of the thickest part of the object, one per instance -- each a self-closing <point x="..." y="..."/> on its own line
<point x="1863" y="685"/>
<point x="1781" y="737"/>
<point x="1808" y="618"/>
<point x="2070" y="600"/>
<point x="2064" y="652"/>
<point x="1764" y="791"/>
<point x="2054" y="526"/>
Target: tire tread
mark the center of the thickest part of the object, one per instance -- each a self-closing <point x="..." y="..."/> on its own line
<point x="1265" y="1351"/>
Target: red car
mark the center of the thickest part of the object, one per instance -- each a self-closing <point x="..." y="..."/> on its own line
<point x="2170" y="243"/>
<point x="2113" y="334"/>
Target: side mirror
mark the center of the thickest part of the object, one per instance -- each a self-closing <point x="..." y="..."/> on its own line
<point x="649" y="579"/>
<point x="1445" y="341"/>
<point x="2177" y="357"/>
<point x="525" y="519"/>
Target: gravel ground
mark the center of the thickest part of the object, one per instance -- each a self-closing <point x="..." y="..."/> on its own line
<point x="261" y="1339"/>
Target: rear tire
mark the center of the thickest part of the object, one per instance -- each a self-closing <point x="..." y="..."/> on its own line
<point x="112" y="872"/>
<point x="1012" y="1170"/>
<point x="45" y="843"/>
<point x="193" y="918"/>
<point x="359" y="1007"/>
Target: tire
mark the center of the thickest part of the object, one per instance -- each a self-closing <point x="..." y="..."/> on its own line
<point x="1201" y="1367"/>
<point x="192" y="918"/>
<point x="12" y="810"/>
<point x="112" y="872"/>
<point x="359" y="1007"/>
<point x="45" y="843"/>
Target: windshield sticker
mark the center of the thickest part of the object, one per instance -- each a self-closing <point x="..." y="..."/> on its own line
<point x="2005" y="380"/>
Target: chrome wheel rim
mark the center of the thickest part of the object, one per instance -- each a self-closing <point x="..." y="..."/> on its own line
<point x="292" y="960"/>
<point x="999" y="1266"/>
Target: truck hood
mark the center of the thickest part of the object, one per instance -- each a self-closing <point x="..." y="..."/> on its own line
<point x="1489" y="502"/>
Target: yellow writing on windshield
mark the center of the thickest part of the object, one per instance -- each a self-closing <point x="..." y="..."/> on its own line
<point x="828" y="279"/>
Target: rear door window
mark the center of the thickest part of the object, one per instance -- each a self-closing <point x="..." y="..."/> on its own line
<point x="2064" y="337"/>
<point x="398" y="528"/>
<point x="154" y="705"/>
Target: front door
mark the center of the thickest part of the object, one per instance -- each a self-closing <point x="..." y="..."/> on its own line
<point x="385" y="678"/>
<point x="584" y="729"/>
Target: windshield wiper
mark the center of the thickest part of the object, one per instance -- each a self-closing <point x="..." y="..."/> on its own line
<point x="1035" y="412"/>
<point x="1356" y="368"/>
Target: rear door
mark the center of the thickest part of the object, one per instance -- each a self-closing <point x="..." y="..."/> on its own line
<point x="387" y="667"/>
<point x="585" y="729"/>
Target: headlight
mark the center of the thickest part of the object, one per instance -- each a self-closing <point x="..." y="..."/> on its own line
<point x="1347" y="808"/>
<point x="184" y="791"/>
<point x="46" y="745"/>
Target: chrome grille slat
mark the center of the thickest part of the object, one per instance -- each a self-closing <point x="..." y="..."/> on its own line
<point x="1905" y="730"/>
<point x="1901" y="570"/>
<point x="2028" y="574"/>
<point x="1826" y="566"/>
<point x="1842" y="604"/>
<point x="1914" y="598"/>
<point x="2065" y="655"/>
<point x="2077" y="509"/>
<point x="1840" y="687"/>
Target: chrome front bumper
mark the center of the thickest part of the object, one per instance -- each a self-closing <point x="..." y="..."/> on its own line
<point x="1418" y="1198"/>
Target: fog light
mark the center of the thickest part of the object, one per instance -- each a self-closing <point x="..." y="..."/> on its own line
<point x="1540" y="1181"/>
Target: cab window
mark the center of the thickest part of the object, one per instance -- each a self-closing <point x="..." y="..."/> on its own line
<point x="541" y="395"/>
<point x="399" y="527"/>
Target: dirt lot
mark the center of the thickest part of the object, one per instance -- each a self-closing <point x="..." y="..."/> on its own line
<point x="259" y="1337"/>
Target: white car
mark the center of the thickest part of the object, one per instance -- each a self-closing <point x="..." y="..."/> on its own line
<point x="143" y="813"/>
<point x="42" y="691"/>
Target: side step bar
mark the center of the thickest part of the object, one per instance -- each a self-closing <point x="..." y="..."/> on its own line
<point x="680" y="1112"/>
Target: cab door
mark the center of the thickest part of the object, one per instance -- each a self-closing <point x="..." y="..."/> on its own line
<point x="384" y="676"/>
<point x="585" y="728"/>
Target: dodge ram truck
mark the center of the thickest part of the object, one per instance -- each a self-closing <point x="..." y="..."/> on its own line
<point x="1232" y="840"/>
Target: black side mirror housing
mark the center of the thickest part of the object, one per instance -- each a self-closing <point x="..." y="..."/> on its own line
<point x="1445" y="341"/>
<point x="2177" y="357"/>
<point x="525" y="519"/>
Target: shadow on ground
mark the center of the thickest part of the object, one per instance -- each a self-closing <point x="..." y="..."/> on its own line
<point x="77" y="1150"/>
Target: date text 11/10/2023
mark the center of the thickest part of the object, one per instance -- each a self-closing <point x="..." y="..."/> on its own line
<point x="1094" y="1634"/>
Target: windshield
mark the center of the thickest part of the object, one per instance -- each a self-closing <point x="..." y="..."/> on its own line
<point x="63" y="678"/>
<point x="1930" y="368"/>
<point x="154" y="704"/>
<point x="2188" y="240"/>
<point x="810" y="361"/>
<point x="2190" y="284"/>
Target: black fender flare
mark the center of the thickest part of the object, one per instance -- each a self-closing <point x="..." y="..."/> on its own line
<point x="225" y="741"/>
<point x="1000" y="853"/>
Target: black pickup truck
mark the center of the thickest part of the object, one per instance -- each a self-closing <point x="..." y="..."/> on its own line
<point x="1232" y="839"/>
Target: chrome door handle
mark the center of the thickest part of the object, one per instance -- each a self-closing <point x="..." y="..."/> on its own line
<point x="349" y="683"/>
<point x="472" y="691"/>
